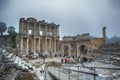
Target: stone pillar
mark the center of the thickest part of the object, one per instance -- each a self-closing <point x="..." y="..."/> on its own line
<point x="40" y="36"/>
<point x="43" y="43"/>
<point x="51" y="40"/>
<point x="27" y="45"/>
<point x="49" y="45"/>
<point x="39" y="44"/>
<point x="34" y="42"/>
<point x="46" y="40"/>
<point x="34" y="37"/>
<point x="104" y="34"/>
<point x="54" y="45"/>
<point x="21" y="43"/>
<point x="57" y="30"/>
<point x="69" y="50"/>
<point x="27" y="37"/>
<point x="58" y="45"/>
<point x="78" y="50"/>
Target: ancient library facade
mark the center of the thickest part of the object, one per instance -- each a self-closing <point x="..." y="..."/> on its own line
<point x="38" y="36"/>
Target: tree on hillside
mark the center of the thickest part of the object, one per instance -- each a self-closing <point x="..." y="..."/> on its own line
<point x="3" y="28"/>
<point x="13" y="34"/>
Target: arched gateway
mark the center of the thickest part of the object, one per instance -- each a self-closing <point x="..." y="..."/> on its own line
<point x="66" y="50"/>
<point x="83" y="48"/>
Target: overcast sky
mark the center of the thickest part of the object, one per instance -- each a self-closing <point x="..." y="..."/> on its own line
<point x="73" y="16"/>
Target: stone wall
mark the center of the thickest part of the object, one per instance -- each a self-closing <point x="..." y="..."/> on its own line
<point x="96" y="43"/>
<point x="79" y="44"/>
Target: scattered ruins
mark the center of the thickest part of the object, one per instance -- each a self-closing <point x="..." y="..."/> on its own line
<point x="42" y="37"/>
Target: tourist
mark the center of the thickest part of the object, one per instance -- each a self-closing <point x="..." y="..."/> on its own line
<point x="65" y="60"/>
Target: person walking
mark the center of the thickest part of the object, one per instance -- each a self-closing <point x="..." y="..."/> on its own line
<point x="65" y="60"/>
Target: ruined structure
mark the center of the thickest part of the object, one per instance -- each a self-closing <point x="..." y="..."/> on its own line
<point x="38" y="36"/>
<point x="74" y="45"/>
<point x="104" y="34"/>
<point x="41" y="36"/>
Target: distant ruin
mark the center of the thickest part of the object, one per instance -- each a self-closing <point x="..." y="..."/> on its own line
<point x="74" y="45"/>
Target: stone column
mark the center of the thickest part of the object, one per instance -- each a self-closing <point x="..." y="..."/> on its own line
<point x="51" y="40"/>
<point x="21" y="43"/>
<point x="40" y="36"/>
<point x="34" y="37"/>
<point x="27" y="45"/>
<point x="34" y="44"/>
<point x="50" y="44"/>
<point x="43" y="44"/>
<point x="69" y="50"/>
<point x="27" y="37"/>
<point x="46" y="39"/>
<point x="77" y="50"/>
<point x="104" y="34"/>
<point x="55" y="45"/>
<point x="39" y="44"/>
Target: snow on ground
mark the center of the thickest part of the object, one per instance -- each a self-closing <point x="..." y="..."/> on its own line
<point x="19" y="62"/>
<point x="102" y="73"/>
<point x="99" y="64"/>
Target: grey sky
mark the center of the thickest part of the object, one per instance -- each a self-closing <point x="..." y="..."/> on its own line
<point x="74" y="16"/>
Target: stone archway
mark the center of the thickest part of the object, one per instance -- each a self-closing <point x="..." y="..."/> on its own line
<point x="83" y="48"/>
<point x="66" y="50"/>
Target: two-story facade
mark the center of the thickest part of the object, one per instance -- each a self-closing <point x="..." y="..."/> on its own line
<point x="38" y="36"/>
